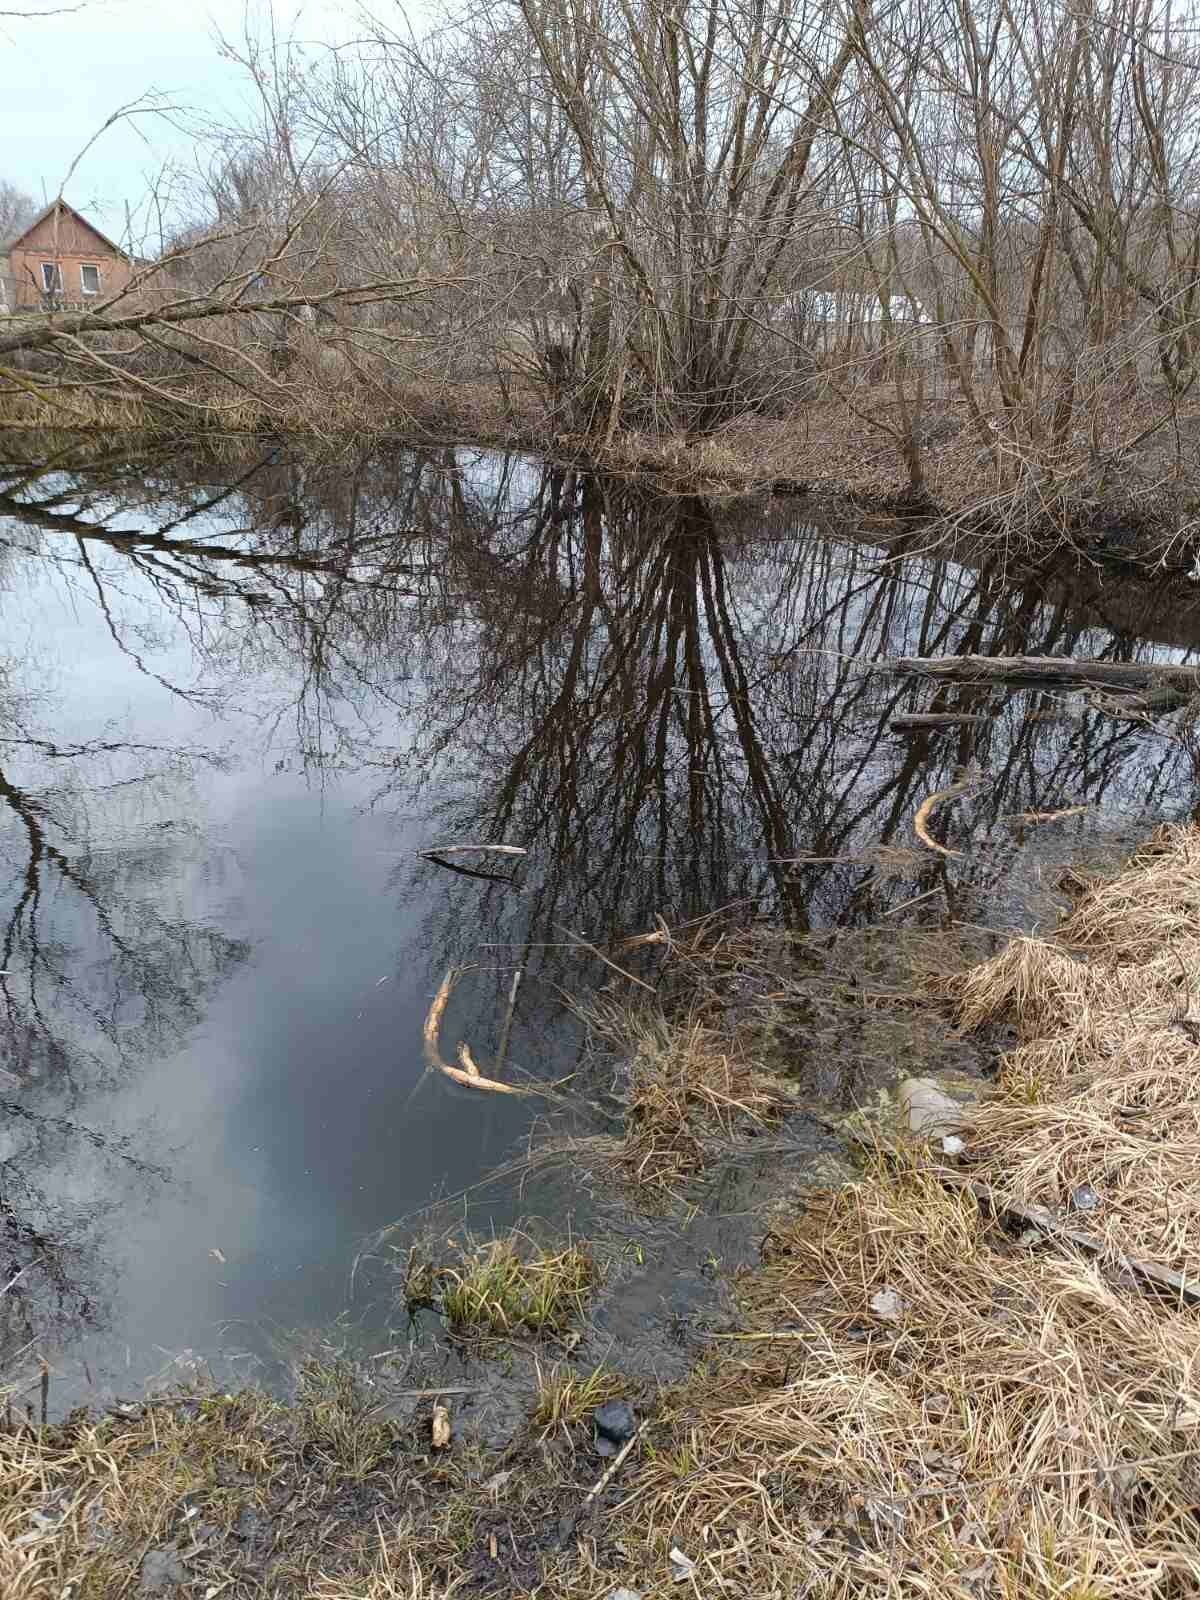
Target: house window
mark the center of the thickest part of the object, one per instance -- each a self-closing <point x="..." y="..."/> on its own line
<point x="51" y="277"/>
<point x="89" y="280"/>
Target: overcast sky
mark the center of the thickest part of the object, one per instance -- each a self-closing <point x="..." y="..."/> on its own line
<point x="62" y="76"/>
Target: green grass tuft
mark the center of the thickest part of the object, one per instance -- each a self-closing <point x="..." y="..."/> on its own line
<point x="503" y="1286"/>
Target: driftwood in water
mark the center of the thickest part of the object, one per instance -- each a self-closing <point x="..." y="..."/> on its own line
<point x="926" y="809"/>
<point x="468" y="1075"/>
<point x="479" y="849"/>
<point x="1026" y="819"/>
<point x="1045" y="672"/>
<point x="935" y="719"/>
<point x="436" y="854"/>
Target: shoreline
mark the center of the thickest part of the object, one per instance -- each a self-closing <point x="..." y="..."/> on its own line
<point x="916" y="1382"/>
<point x="1136" y="513"/>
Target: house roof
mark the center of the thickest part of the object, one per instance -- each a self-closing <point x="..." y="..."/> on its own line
<point x="48" y="211"/>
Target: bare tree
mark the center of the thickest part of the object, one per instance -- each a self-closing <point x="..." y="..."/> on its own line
<point x="17" y="209"/>
<point x="942" y="219"/>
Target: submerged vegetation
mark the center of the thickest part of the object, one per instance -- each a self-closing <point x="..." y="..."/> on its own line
<point x="947" y="1377"/>
<point x="501" y="1286"/>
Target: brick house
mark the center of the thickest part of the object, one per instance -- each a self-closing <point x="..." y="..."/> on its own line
<point x="60" y="259"/>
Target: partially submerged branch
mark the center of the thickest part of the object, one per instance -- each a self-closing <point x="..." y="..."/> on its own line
<point x="438" y="852"/>
<point x="468" y="1074"/>
<point x="926" y="809"/>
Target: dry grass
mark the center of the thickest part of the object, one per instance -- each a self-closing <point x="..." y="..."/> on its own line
<point x="1022" y="1428"/>
<point x="1142" y="913"/>
<point x="83" y="1502"/>
<point x="831" y="447"/>
<point x="1104" y="1085"/>
<point x="920" y="1404"/>
<point x="916" y="1404"/>
<point x="502" y="1286"/>
<point x="691" y="1090"/>
<point x="566" y="1397"/>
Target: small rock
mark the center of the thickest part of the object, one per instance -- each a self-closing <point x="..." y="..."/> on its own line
<point x="1084" y="1198"/>
<point x="615" y="1423"/>
<point x="929" y="1110"/>
<point x="887" y="1304"/>
<point x="952" y="1145"/>
<point x="624" y="1594"/>
<point x="162" y="1570"/>
<point x="682" y="1566"/>
<point x="247" y="1524"/>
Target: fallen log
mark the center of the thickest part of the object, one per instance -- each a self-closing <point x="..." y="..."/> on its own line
<point x="1150" y="1276"/>
<point x="1043" y="671"/>
<point x="935" y="719"/>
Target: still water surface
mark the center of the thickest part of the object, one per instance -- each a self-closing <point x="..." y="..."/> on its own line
<point x="236" y="701"/>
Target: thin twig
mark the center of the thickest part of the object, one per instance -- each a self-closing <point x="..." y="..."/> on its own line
<point x="580" y="942"/>
<point x="437" y="853"/>
<point x="571" y="1521"/>
<point x="502" y="1049"/>
<point x="915" y="900"/>
<point x="17" y="1276"/>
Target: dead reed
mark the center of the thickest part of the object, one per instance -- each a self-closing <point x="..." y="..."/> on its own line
<point x="690" y="1090"/>
<point x="920" y="1402"/>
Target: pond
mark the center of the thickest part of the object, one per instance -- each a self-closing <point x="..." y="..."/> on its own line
<point x="238" y="697"/>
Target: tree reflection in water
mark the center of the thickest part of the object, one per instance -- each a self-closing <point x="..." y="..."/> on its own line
<point x="663" y="700"/>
